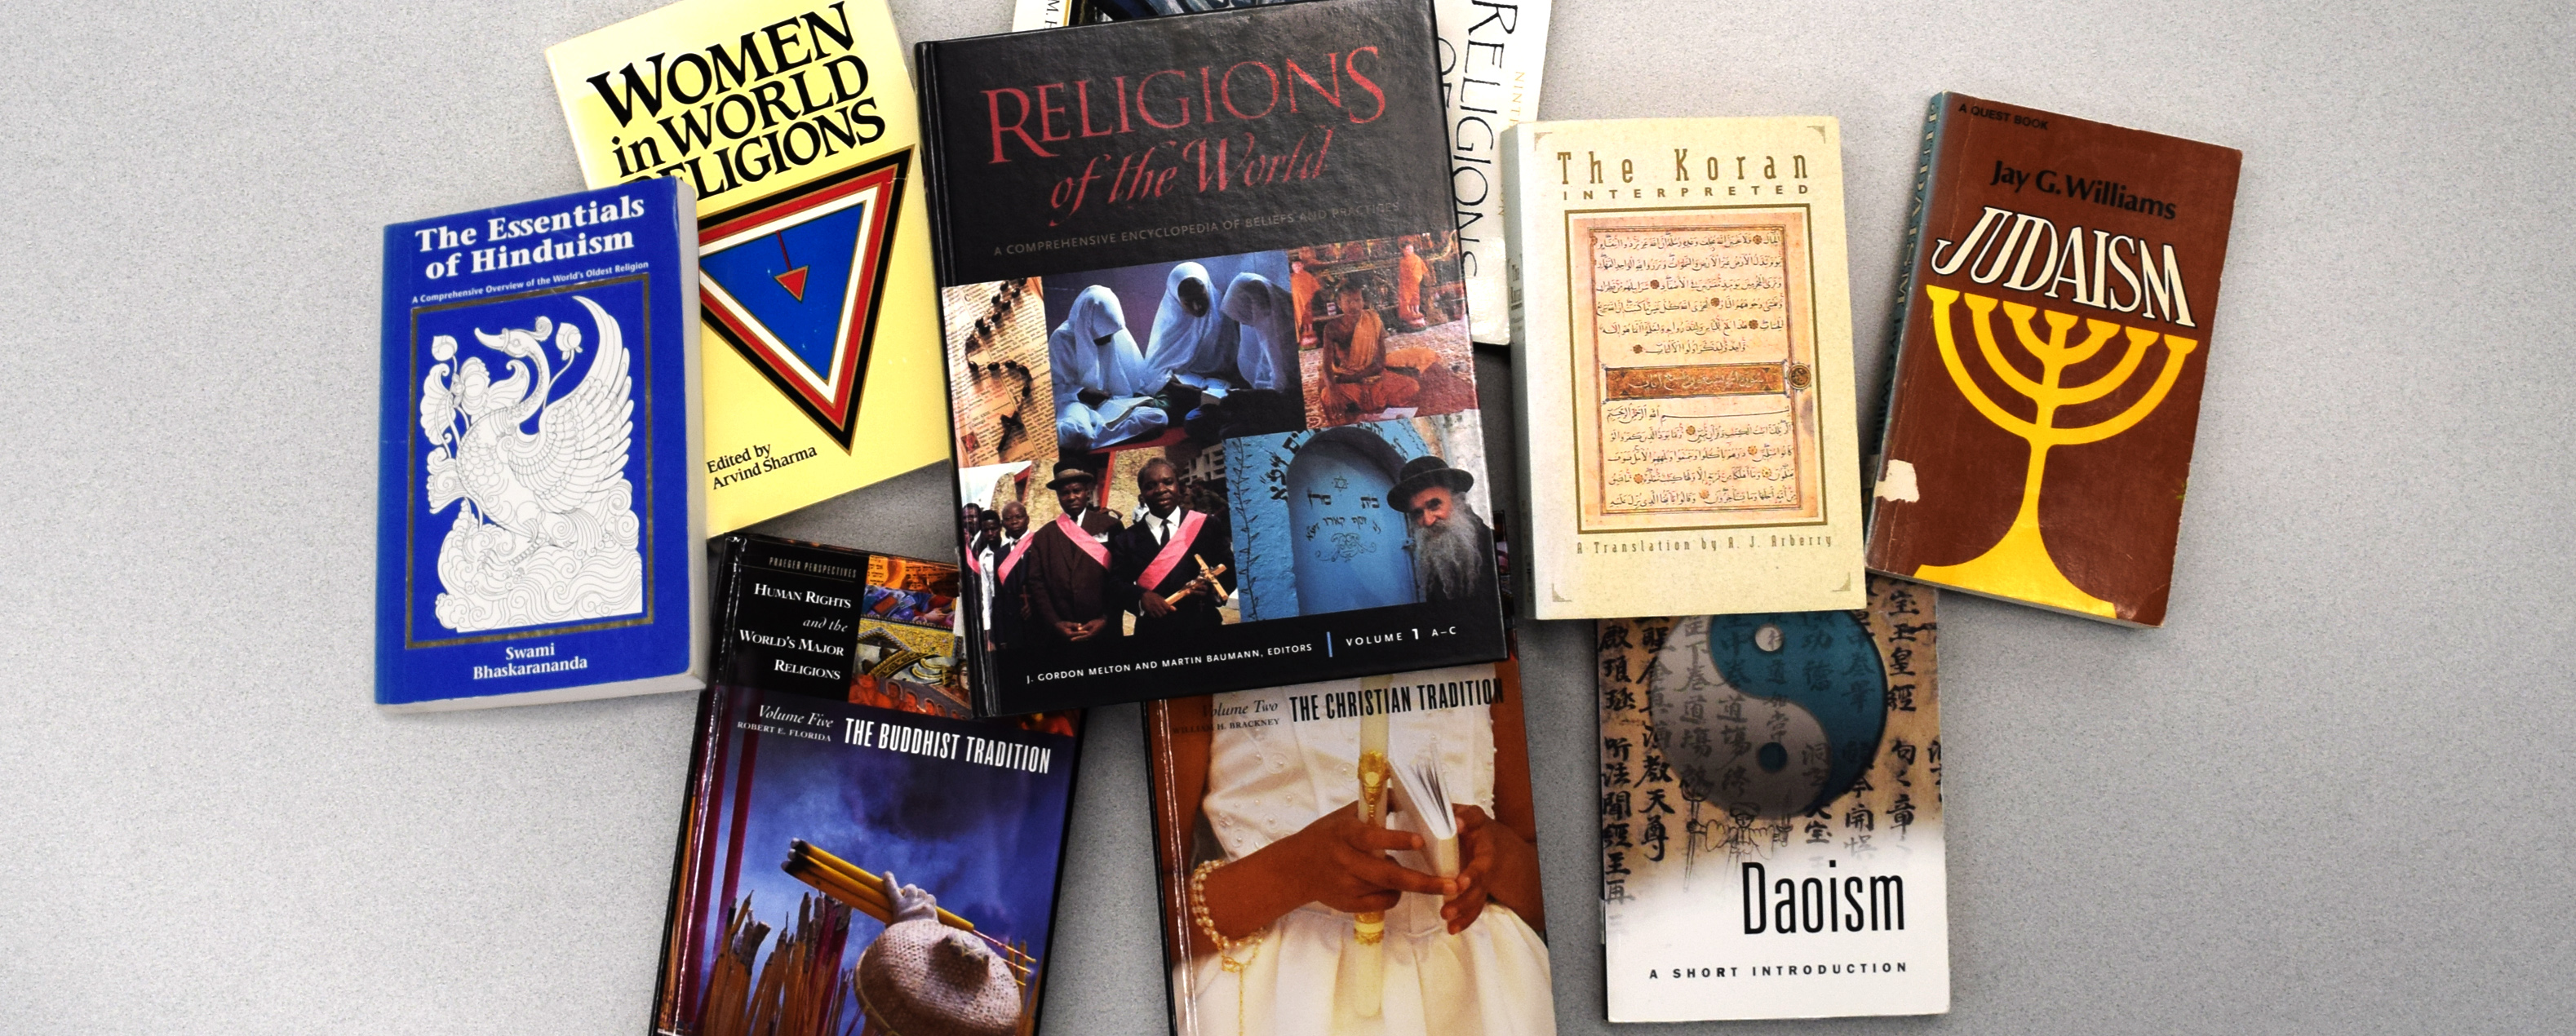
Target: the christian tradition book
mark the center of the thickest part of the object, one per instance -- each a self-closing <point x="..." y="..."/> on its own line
<point x="793" y="120"/>
<point x="1214" y="398"/>
<point x="1492" y="57"/>
<point x="853" y="856"/>
<point x="2057" y="296"/>
<point x="539" y="519"/>
<point x="1771" y="813"/>
<point x="1353" y="856"/>
<point x="1685" y="367"/>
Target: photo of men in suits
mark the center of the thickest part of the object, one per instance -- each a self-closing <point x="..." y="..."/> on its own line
<point x="996" y="554"/>
<point x="1175" y="566"/>
<point x="1067" y="567"/>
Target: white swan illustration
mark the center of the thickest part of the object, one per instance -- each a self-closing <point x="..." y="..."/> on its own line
<point x="547" y="530"/>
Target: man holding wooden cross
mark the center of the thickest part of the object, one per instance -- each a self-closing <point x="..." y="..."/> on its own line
<point x="1175" y="566"/>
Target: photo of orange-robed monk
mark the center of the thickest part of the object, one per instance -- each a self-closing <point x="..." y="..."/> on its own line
<point x="1383" y="329"/>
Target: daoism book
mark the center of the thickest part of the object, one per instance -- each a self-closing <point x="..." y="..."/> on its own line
<point x="1351" y="856"/>
<point x="794" y="122"/>
<point x="1213" y="394"/>
<point x="2058" y="292"/>
<point x="1492" y="55"/>
<point x="854" y="856"/>
<point x="539" y="519"/>
<point x="1685" y="367"/>
<point x="1771" y="839"/>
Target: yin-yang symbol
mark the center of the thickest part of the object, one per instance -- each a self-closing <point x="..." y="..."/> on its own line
<point x="1776" y="714"/>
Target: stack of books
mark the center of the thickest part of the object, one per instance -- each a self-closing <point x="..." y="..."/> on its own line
<point x="1193" y="300"/>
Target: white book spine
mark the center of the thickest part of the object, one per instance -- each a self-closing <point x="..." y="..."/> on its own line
<point x="1491" y="60"/>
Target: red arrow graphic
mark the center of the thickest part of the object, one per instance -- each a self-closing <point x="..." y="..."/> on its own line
<point x="794" y="279"/>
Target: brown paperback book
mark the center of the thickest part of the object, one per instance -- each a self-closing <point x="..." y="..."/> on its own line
<point x="2059" y="290"/>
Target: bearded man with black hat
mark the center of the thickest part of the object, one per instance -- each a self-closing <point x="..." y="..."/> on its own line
<point x="1067" y="566"/>
<point x="1453" y="548"/>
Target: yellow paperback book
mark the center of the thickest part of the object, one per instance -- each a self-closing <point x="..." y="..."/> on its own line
<point x="794" y="121"/>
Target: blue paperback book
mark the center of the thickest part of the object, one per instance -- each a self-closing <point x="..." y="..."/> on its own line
<point x="541" y="523"/>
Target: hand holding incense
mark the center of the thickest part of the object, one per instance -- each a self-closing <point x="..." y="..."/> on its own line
<point x="871" y="894"/>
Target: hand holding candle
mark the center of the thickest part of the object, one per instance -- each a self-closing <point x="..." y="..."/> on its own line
<point x="1364" y="969"/>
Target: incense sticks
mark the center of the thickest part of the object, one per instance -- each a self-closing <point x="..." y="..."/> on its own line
<point x="870" y="894"/>
<point x="803" y="858"/>
<point x="797" y="991"/>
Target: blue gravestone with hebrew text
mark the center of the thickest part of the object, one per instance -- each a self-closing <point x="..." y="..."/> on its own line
<point x="1347" y="546"/>
<point x="1313" y="531"/>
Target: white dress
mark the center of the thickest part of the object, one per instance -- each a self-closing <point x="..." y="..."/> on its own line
<point x="1267" y="351"/>
<point x="1268" y="782"/>
<point x="1092" y="350"/>
<point x="1190" y="349"/>
<point x="988" y="557"/>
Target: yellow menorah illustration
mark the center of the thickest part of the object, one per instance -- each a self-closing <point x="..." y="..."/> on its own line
<point x="2018" y="565"/>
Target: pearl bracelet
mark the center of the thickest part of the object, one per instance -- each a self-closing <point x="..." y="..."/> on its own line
<point x="1224" y="947"/>
<point x="1207" y="926"/>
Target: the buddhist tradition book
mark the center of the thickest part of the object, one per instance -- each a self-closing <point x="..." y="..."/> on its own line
<point x="2058" y="292"/>
<point x="1684" y="368"/>
<point x="1214" y="399"/>
<point x="540" y="520"/>
<point x="1492" y="56"/>
<point x="852" y="856"/>
<point x="794" y="122"/>
<point x="1353" y="856"/>
<point x="1771" y="813"/>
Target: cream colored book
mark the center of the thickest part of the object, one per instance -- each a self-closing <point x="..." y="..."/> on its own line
<point x="1683" y="313"/>
<point x="794" y="122"/>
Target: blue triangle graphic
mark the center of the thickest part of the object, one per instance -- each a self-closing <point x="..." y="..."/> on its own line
<point x="828" y="246"/>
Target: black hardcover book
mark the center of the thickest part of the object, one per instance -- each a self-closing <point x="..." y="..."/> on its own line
<point x="1208" y="358"/>
<point x="845" y="820"/>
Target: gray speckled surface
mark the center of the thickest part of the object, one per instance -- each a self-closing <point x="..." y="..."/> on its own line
<point x="2334" y="796"/>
